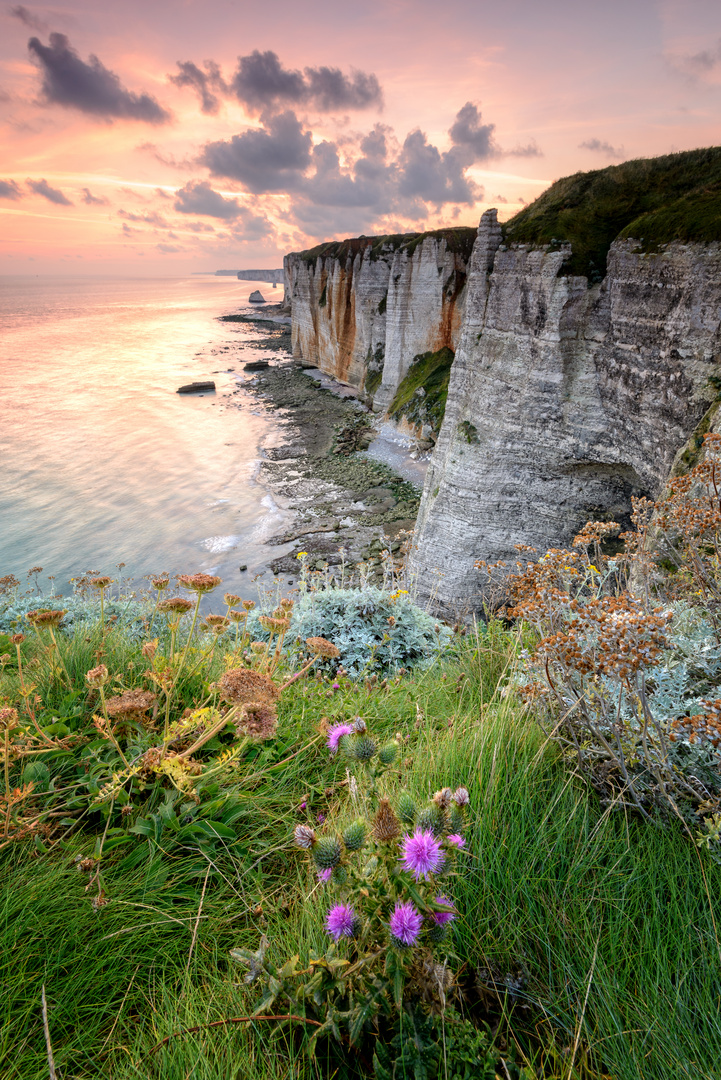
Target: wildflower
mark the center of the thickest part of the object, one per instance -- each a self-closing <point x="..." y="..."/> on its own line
<point x="287" y="604"/>
<point x="324" y="876"/>
<point x="336" y="686"/>
<point x="460" y="796"/>
<point x="341" y="921"/>
<point x="335" y="734"/>
<point x="8" y="718"/>
<point x="304" y="836"/>
<point x="323" y="648"/>
<point x="405" y="924"/>
<point x="97" y="676"/>
<point x="177" y="605"/>
<point x="301" y="554"/>
<point x="321" y="818"/>
<point x="456" y="840"/>
<point x="303" y="805"/>
<point x="440" y="918"/>
<point x="443" y="798"/>
<point x="45" y="618"/>
<point x="199" y="583"/>
<point x="422" y="853"/>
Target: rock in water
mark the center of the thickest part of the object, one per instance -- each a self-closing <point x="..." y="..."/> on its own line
<point x="196" y="387"/>
<point x="256" y="297"/>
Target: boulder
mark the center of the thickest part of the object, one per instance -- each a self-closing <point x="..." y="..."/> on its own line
<point x="256" y="297"/>
<point x="196" y="388"/>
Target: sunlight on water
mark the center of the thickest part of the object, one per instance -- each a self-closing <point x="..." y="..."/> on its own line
<point x="102" y="462"/>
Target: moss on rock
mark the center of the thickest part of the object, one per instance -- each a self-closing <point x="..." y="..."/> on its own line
<point x="421" y="396"/>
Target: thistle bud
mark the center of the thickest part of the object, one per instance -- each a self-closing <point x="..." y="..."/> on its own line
<point x="430" y="817"/>
<point x="97" y="676"/>
<point x="406" y="808"/>
<point x="460" y="796"/>
<point x="340" y="875"/>
<point x="327" y="852"/>
<point x="304" y="836"/>
<point x="386" y="825"/>
<point x="354" y="836"/>
<point x="388" y="753"/>
<point x="363" y="748"/>
<point x="455" y="819"/>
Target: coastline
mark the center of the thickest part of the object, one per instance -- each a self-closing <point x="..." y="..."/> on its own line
<point x="335" y="470"/>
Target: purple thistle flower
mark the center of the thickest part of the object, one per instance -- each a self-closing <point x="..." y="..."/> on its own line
<point x="321" y="818"/>
<point x="440" y="918"/>
<point x="336" y="686"/>
<point x="456" y="839"/>
<point x="422" y="853"/>
<point x="341" y="921"/>
<point x="405" y="923"/>
<point x="325" y="875"/>
<point x="335" y="734"/>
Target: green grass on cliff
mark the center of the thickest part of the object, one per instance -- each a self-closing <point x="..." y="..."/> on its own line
<point x="459" y="241"/>
<point x="604" y="925"/>
<point x="652" y="200"/>
<point x="430" y="372"/>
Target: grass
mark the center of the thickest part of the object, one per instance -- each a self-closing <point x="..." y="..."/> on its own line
<point x="609" y="921"/>
<point x="459" y="241"/>
<point x="651" y="200"/>
<point x="431" y="372"/>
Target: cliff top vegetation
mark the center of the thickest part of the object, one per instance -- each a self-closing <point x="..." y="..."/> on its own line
<point x="652" y="200"/>
<point x="459" y="241"/>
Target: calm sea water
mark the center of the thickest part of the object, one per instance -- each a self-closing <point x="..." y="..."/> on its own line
<point x="101" y="461"/>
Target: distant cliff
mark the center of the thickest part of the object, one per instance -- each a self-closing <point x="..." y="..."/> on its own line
<point x="364" y="310"/>
<point x="582" y="351"/>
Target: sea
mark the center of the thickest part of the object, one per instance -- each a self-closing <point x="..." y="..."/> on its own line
<point x="102" y="463"/>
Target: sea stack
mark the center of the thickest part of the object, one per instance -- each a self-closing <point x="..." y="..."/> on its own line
<point x="256" y="297"/>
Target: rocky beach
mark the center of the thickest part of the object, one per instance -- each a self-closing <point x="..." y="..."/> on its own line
<point x="343" y="504"/>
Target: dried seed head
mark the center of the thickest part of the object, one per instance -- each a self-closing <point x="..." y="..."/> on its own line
<point x="287" y="604"/>
<point x="275" y="625"/>
<point x="241" y="686"/>
<point x="175" y="605"/>
<point x="258" y="647"/>
<point x="460" y="796"/>
<point x="97" y="677"/>
<point x="161" y="583"/>
<point x="386" y="825"/>
<point x="132" y="705"/>
<point x="249" y="605"/>
<point x="321" y="647"/>
<point x="230" y="599"/>
<point x="149" y="648"/>
<point x="259" y="720"/>
<point x="304" y="836"/>
<point x="17" y="639"/>
<point x="217" y="623"/>
<point x="442" y="798"/>
<point x="8" y="718"/>
<point x="237" y="616"/>
<point x="359" y="725"/>
<point x="45" y="618"/>
<point x="199" y="583"/>
<point x="100" y="582"/>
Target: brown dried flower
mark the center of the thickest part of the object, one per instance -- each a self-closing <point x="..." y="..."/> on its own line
<point x="8" y="718"/>
<point x="100" y="582"/>
<point x="149" y="648"/>
<point x="176" y="605"/>
<point x="443" y="798"/>
<point x="231" y="599"/>
<point x="199" y="583"/>
<point x="270" y="623"/>
<point x="321" y="647"/>
<point x="161" y="583"/>
<point x="237" y="616"/>
<point x="97" y="677"/>
<point x="386" y="825"/>
<point x="217" y="622"/>
<point x="17" y="639"/>
<point x="287" y="604"/>
<point x="132" y="705"/>
<point x="304" y="836"/>
<point x="259" y="720"/>
<point x="249" y="605"/>
<point x="241" y="686"/>
<point x="45" y="618"/>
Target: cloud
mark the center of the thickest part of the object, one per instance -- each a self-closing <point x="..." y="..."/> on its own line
<point x="468" y="133"/>
<point x="263" y="85"/>
<point x="53" y="195"/>
<point x="91" y="88"/>
<point x="198" y="197"/>
<point x="598" y="146"/>
<point x="10" y="190"/>
<point x="169" y="249"/>
<point x="427" y="174"/>
<point x="93" y="200"/>
<point x="28" y="19"/>
<point x="165" y="159"/>
<point x="207" y="84"/>
<point x="272" y="158"/>
<point x="151" y="218"/>
<point x="698" y="64"/>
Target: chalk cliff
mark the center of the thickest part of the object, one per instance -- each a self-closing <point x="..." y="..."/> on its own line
<point x="564" y="401"/>
<point x="364" y="309"/>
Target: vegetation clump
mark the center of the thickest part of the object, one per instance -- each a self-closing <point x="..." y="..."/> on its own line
<point x="422" y="394"/>
<point x="651" y="200"/>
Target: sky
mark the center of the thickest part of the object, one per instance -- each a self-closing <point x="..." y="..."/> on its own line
<point x="167" y="137"/>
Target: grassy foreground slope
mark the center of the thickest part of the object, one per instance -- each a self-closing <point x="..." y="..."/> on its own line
<point x="603" y="927"/>
<point x="652" y="200"/>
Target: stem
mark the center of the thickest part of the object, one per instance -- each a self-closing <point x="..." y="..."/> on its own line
<point x="62" y="659"/>
<point x="111" y="733"/>
<point x="7" y="781"/>
<point x="190" y="635"/>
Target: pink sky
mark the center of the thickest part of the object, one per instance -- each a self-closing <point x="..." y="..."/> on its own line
<point x="322" y="120"/>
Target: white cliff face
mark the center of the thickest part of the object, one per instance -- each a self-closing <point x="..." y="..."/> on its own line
<point x="363" y="314"/>
<point x="564" y="401"/>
